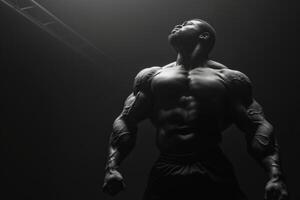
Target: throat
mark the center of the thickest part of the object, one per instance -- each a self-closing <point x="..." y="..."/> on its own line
<point x="189" y="62"/>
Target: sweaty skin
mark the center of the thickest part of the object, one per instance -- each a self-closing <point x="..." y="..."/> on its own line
<point x="191" y="102"/>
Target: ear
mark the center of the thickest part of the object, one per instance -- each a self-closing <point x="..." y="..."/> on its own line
<point x="204" y="35"/>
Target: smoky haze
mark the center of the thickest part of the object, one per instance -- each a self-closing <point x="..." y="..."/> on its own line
<point x="57" y="107"/>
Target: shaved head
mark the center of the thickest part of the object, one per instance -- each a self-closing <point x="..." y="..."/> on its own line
<point x="191" y="33"/>
<point x="206" y="27"/>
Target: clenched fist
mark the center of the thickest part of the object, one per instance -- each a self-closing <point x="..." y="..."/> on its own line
<point x="276" y="190"/>
<point x="113" y="182"/>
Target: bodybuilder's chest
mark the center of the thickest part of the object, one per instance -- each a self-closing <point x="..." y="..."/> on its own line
<point x="200" y="83"/>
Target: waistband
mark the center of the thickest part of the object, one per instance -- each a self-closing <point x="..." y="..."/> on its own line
<point x="208" y="154"/>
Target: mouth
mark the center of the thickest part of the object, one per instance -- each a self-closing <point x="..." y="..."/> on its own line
<point x="184" y="128"/>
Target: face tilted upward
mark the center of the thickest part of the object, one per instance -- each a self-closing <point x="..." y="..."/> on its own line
<point x="186" y="26"/>
<point x="195" y="33"/>
<point x="185" y="34"/>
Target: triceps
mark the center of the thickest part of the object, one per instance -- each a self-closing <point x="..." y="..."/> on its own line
<point x="137" y="107"/>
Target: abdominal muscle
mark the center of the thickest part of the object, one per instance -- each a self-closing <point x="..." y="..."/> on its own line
<point x="186" y="132"/>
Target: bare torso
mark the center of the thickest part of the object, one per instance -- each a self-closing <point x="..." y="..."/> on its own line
<point x="191" y="102"/>
<point x="191" y="107"/>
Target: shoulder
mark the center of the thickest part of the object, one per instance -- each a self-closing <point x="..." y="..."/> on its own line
<point x="141" y="80"/>
<point x="239" y="84"/>
<point x="236" y="78"/>
<point x="215" y="65"/>
<point x="172" y="64"/>
<point x="146" y="73"/>
<point x="232" y="77"/>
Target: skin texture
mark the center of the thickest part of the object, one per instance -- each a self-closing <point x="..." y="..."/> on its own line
<point x="190" y="102"/>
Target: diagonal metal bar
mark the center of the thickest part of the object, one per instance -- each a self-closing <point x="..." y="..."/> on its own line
<point x="44" y="19"/>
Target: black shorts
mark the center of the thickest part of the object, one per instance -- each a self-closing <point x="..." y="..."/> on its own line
<point x="203" y="176"/>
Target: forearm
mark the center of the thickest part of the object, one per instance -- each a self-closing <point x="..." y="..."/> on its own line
<point x="122" y="141"/>
<point x="264" y="148"/>
<point x="272" y="165"/>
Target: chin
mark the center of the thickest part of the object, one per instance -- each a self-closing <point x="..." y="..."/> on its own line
<point x="170" y="38"/>
<point x="174" y="39"/>
<point x="178" y="41"/>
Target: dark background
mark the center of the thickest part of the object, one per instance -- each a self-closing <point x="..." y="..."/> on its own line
<point x="57" y="108"/>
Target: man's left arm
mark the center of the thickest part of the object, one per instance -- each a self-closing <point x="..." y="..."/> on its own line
<point x="261" y="141"/>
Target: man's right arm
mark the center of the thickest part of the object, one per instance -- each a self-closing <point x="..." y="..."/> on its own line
<point x="123" y="137"/>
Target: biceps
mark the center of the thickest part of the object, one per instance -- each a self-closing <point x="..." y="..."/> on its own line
<point x="136" y="107"/>
<point x="259" y="132"/>
<point x="249" y="118"/>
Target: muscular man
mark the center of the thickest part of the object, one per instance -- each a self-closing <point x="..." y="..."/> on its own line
<point x="190" y="102"/>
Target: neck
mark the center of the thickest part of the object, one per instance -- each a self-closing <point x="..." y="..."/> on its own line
<point x="191" y="60"/>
